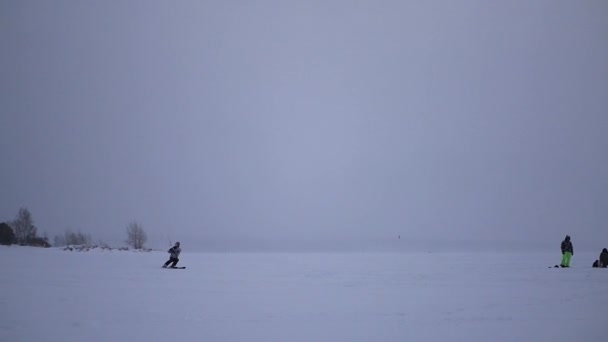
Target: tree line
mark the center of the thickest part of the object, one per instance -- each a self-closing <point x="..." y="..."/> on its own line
<point x="22" y="231"/>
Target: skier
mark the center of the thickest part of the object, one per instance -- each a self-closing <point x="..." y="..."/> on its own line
<point x="604" y="258"/>
<point x="173" y="259"/>
<point x="567" y="252"/>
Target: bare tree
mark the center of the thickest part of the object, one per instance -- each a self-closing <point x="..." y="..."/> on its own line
<point x="136" y="236"/>
<point x="59" y="240"/>
<point x="77" y="238"/>
<point x="25" y="231"/>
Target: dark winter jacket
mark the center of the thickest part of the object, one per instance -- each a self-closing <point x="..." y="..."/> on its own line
<point x="175" y="250"/>
<point x="604" y="258"/>
<point x="567" y="246"/>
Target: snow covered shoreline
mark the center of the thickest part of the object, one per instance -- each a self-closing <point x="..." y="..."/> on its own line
<point x="51" y="295"/>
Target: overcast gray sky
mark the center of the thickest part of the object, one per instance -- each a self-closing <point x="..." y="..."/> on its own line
<point x="233" y="124"/>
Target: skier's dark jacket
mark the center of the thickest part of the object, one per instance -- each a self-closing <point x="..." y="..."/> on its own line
<point x="567" y="246"/>
<point x="175" y="250"/>
<point x="604" y="258"/>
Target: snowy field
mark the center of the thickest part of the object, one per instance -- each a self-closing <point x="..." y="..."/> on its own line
<point x="54" y="295"/>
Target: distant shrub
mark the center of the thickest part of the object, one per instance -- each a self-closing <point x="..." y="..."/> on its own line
<point x="87" y="248"/>
<point x="77" y="238"/>
<point x="7" y="236"/>
<point x="72" y="238"/>
<point x="39" y="242"/>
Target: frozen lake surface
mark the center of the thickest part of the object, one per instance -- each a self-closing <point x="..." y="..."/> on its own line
<point x="54" y="295"/>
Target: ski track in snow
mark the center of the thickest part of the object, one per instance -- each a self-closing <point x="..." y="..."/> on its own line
<point x="52" y="295"/>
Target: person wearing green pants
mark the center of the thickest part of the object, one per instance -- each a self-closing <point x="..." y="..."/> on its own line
<point x="567" y="252"/>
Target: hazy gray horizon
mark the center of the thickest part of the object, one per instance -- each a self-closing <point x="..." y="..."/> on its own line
<point x="252" y="125"/>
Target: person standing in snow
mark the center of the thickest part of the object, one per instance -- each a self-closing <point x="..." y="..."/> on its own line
<point x="567" y="252"/>
<point x="174" y="257"/>
<point x="603" y="258"/>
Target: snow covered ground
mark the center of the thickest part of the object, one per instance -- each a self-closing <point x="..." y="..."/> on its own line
<point x="54" y="295"/>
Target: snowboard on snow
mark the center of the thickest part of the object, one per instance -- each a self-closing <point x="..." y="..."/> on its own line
<point x="176" y="268"/>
